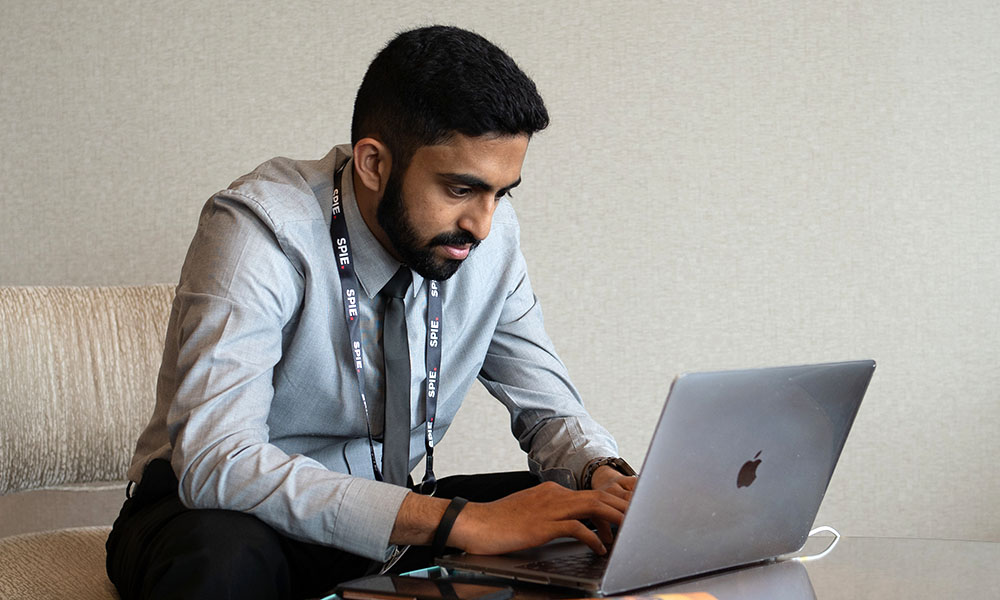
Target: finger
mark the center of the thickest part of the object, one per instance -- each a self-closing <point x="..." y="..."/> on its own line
<point x="591" y="505"/>
<point x="627" y="495"/>
<point x="606" y="508"/>
<point x="578" y="530"/>
<point x="556" y="504"/>
<point x="614" y="501"/>
<point x="604" y="532"/>
<point x="619" y="492"/>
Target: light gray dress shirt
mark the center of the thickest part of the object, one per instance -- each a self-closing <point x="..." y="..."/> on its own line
<point x="257" y="402"/>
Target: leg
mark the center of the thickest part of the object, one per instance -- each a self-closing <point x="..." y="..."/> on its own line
<point x="158" y="549"/>
<point x="168" y="551"/>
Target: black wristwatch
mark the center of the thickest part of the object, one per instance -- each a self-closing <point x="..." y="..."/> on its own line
<point x="618" y="464"/>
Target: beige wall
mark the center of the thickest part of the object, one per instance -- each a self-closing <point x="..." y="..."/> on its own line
<point x="723" y="185"/>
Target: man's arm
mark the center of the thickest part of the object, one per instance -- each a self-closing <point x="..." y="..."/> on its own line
<point x="523" y="371"/>
<point x="239" y="289"/>
<point x="522" y="520"/>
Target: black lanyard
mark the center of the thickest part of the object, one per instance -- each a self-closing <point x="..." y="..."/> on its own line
<point x="432" y="355"/>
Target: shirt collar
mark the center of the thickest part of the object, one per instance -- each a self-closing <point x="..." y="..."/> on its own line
<point x="373" y="265"/>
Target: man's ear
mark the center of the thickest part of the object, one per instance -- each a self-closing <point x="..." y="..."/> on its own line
<point x="372" y="164"/>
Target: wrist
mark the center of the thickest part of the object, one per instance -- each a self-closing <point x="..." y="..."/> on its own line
<point x="602" y="470"/>
<point x="417" y="520"/>
<point x="443" y="530"/>
<point x="602" y="476"/>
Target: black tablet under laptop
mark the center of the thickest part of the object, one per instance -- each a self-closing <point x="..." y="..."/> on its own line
<point x="735" y="474"/>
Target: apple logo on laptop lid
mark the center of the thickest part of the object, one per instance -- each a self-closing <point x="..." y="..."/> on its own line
<point x="748" y="472"/>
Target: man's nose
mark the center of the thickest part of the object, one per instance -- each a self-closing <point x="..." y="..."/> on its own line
<point x="478" y="217"/>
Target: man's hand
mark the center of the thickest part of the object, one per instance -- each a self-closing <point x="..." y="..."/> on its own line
<point x="522" y="520"/>
<point x="535" y="516"/>
<point x="608" y="479"/>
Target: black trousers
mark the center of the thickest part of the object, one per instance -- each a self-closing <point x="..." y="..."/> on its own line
<point x="160" y="549"/>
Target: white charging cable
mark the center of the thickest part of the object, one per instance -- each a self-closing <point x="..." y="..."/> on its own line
<point x="827" y="529"/>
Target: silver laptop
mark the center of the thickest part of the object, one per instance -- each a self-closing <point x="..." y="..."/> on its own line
<point x="735" y="474"/>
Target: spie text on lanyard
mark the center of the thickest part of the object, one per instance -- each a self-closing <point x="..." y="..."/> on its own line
<point x="349" y="285"/>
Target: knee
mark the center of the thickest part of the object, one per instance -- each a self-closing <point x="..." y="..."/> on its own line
<point x="225" y="531"/>
<point x="219" y="553"/>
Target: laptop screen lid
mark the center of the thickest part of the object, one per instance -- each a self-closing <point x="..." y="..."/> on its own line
<point x="735" y="474"/>
<point x="736" y="470"/>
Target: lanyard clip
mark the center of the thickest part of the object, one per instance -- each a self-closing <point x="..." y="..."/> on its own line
<point x="428" y="486"/>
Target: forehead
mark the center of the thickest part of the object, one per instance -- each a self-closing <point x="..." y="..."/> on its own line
<point x="494" y="159"/>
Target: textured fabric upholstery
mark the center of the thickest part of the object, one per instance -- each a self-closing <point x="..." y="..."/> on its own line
<point x="77" y="377"/>
<point x="77" y="380"/>
<point x="77" y="505"/>
<point x="57" y="564"/>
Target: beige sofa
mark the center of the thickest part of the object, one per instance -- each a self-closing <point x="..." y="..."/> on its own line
<point x="77" y="377"/>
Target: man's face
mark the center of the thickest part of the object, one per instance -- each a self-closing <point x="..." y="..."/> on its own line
<point x="442" y="206"/>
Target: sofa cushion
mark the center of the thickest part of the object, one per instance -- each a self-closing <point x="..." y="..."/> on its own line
<point x="76" y="505"/>
<point x="56" y="564"/>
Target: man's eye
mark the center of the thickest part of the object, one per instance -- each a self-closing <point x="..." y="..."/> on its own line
<point x="459" y="192"/>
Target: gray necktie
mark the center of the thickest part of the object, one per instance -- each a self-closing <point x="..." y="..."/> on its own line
<point x="395" y="348"/>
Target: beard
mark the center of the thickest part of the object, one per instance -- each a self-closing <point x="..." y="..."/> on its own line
<point x="395" y="222"/>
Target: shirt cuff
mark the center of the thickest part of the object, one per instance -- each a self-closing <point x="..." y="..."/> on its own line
<point x="367" y="516"/>
<point x="569" y="475"/>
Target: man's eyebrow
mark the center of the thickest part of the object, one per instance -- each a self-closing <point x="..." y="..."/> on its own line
<point x="510" y="187"/>
<point x="476" y="183"/>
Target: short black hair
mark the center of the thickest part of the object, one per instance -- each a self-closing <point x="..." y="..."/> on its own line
<point x="429" y="83"/>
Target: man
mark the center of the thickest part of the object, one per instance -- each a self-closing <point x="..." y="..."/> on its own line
<point x="314" y="296"/>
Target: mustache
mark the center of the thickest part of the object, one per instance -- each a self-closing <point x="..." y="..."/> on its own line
<point x="455" y="238"/>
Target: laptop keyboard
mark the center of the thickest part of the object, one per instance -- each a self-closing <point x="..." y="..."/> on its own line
<point x="586" y="564"/>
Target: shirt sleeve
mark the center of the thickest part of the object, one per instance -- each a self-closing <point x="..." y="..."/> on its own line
<point x="523" y="371"/>
<point x="237" y="293"/>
